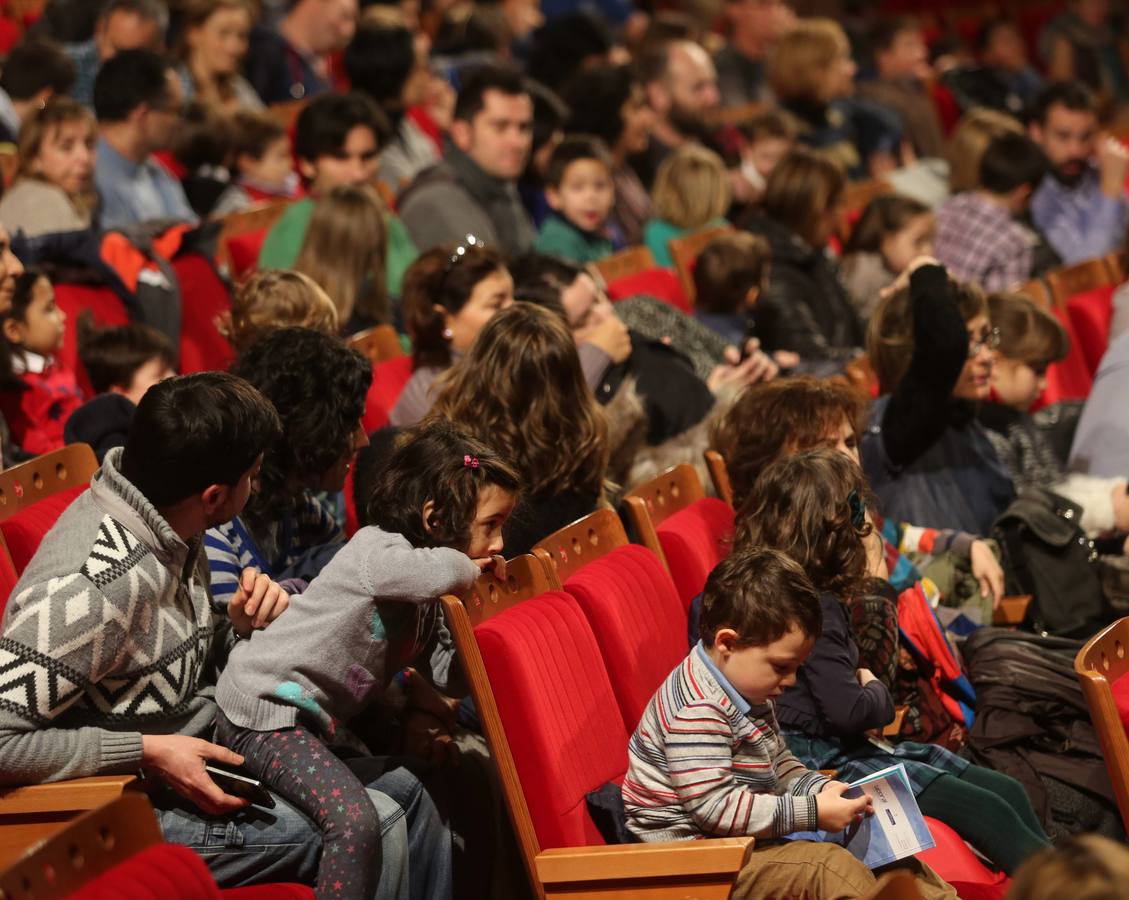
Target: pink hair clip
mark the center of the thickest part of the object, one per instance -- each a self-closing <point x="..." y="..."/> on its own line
<point x="471" y="462"/>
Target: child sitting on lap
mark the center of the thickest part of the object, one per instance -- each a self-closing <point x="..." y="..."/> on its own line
<point x="708" y="760"/>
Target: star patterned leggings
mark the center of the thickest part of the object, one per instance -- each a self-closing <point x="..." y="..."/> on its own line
<point x="294" y="763"/>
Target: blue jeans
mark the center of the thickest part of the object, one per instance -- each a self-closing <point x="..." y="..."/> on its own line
<point x="263" y="846"/>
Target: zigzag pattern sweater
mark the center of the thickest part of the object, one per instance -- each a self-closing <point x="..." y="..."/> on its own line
<point x="109" y="634"/>
<point x="702" y="763"/>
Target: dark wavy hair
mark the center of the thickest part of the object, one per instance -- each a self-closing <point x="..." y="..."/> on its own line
<point x="318" y="385"/>
<point x="437" y="462"/>
<point x="802" y="506"/>
<point x="783" y="416"/>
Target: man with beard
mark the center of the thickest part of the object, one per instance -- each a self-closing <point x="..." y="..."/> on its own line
<point x="1081" y="205"/>
<point x="681" y="87"/>
<point x="754" y="27"/>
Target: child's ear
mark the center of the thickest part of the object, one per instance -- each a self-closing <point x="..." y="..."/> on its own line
<point x="725" y="640"/>
<point x="427" y="514"/>
<point x="13" y="330"/>
<point x="752" y="295"/>
<point x="213" y="498"/>
<point x="554" y="197"/>
<point x="307" y="170"/>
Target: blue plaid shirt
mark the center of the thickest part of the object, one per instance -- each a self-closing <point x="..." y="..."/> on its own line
<point x="1080" y="222"/>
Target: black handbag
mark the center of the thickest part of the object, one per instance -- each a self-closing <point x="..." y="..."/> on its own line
<point x="1047" y="555"/>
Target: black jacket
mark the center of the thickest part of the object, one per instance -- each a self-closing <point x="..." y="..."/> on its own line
<point x="805" y="307"/>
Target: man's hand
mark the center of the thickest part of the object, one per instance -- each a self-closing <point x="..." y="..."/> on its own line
<point x="428" y="737"/>
<point x="837" y="812"/>
<point x="257" y="602"/>
<point x="179" y="761"/>
<point x="986" y="569"/>
<point x="1113" y="163"/>
<point x="611" y="336"/>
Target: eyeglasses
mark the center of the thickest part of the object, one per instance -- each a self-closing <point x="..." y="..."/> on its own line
<point x="469" y="243"/>
<point x="988" y="337"/>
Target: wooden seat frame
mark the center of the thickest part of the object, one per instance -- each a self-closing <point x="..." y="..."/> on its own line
<point x="703" y="869"/>
<point x="1103" y="660"/>
<point x="378" y="344"/>
<point x="684" y="251"/>
<point x="653" y="502"/>
<point x="626" y="263"/>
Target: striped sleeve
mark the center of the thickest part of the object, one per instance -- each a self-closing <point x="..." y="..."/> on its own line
<point x="228" y="555"/>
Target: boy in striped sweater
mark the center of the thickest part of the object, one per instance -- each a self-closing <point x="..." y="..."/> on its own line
<point x="707" y="758"/>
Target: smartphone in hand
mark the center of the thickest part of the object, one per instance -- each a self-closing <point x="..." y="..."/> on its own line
<point x="239" y="784"/>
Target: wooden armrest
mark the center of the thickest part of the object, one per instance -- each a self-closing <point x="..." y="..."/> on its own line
<point x="895" y="726"/>
<point x="715" y="856"/>
<point x="63" y="796"/>
<point x="1012" y="611"/>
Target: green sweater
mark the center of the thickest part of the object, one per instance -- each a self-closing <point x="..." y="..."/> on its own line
<point x="283" y="243"/>
<point x="560" y="237"/>
<point x="657" y="233"/>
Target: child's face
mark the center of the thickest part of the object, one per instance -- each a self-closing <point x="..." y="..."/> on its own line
<point x="907" y="244"/>
<point x="844" y="440"/>
<point x="273" y="168"/>
<point x="761" y="672"/>
<point x="585" y="195"/>
<point x="148" y="374"/>
<point x="41" y="330"/>
<point x="975" y="380"/>
<point x="908" y="57"/>
<point x="494" y="508"/>
<point x="66" y="156"/>
<point x="766" y="152"/>
<point x="1018" y="384"/>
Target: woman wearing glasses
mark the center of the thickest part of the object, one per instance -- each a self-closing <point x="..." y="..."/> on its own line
<point x="927" y="457"/>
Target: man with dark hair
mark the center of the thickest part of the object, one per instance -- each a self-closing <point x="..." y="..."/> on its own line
<point x="34" y="72"/>
<point x="336" y="141"/>
<point x="137" y="99"/>
<point x="111" y="641"/>
<point x="1002" y="78"/>
<point x="978" y="237"/>
<point x="290" y="60"/>
<point x="1081" y="205"/>
<point x="754" y="26"/>
<point x="474" y="189"/>
<point x="121" y="25"/>
<point x="901" y="62"/>
<point x="681" y="85"/>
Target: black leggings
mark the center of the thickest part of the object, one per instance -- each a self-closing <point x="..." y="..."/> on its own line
<point x="989" y="810"/>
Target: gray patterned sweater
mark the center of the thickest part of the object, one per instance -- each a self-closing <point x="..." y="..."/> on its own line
<point x="109" y="634"/>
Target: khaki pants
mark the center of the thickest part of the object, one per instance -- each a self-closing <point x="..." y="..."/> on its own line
<point x="804" y="870"/>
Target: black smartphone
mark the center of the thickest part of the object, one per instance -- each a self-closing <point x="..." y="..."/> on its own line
<point x="238" y="784"/>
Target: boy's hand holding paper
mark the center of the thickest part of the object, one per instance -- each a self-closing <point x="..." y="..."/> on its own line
<point x="836" y="812"/>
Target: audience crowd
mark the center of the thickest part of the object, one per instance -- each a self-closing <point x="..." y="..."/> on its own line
<point x="844" y="215"/>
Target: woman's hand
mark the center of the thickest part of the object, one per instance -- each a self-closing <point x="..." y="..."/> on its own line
<point x="986" y="569"/>
<point x="902" y="281"/>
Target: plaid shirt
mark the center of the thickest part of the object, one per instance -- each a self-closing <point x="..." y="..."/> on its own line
<point x="978" y="242"/>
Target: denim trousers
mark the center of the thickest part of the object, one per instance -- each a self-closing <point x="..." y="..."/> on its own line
<point x="263" y="846"/>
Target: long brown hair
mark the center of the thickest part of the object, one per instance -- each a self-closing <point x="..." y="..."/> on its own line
<point x="195" y="14"/>
<point x="56" y="113"/>
<point x="521" y="389"/>
<point x="809" y="506"/>
<point x="778" y="417"/>
<point x="344" y="251"/>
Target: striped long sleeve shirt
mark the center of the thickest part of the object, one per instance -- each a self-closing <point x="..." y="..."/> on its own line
<point x="704" y="762"/>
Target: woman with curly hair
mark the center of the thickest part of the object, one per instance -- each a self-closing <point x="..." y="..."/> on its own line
<point x="522" y="388"/>
<point x="318" y="385"/>
<point x="812" y="506"/>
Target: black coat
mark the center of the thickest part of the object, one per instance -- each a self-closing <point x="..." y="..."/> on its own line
<point x="805" y="307"/>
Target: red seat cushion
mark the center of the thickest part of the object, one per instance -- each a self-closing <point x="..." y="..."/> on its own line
<point x="1069" y="379"/>
<point x="558" y="712"/>
<point x="959" y="866"/>
<point x="280" y="891"/>
<point x="388" y="380"/>
<point x="24" y="531"/>
<point x="106" y="308"/>
<point x="1120" y="690"/>
<point x="243" y="250"/>
<point x="160" y="872"/>
<point x="694" y="541"/>
<point x="638" y="620"/>
<point x="662" y="284"/>
<point x="203" y="298"/>
<point x="1091" y="314"/>
<point x="8" y="579"/>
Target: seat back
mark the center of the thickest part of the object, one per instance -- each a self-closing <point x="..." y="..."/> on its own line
<point x="545" y="702"/>
<point x="388" y="380"/>
<point x="1099" y="665"/>
<point x="106" y="309"/>
<point x="1091" y="316"/>
<point x="378" y="343"/>
<point x="690" y="532"/>
<point x="628" y="262"/>
<point x="719" y="475"/>
<point x="1077" y="279"/>
<point x="237" y="227"/>
<point x="34" y="494"/>
<point x="657" y="282"/>
<point x="1037" y="292"/>
<point x="684" y="251"/>
<point x="626" y="592"/>
<point x="205" y="299"/>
